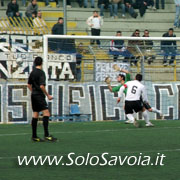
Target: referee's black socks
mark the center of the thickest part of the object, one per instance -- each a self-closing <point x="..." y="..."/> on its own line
<point x="34" y="127"/>
<point x="45" y="124"/>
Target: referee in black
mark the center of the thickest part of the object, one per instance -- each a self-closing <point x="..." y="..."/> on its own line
<point x="36" y="84"/>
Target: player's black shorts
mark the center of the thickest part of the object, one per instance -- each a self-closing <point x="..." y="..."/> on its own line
<point x="131" y="106"/>
<point x="38" y="102"/>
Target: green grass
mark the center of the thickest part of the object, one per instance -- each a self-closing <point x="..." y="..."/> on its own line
<point x="116" y="138"/>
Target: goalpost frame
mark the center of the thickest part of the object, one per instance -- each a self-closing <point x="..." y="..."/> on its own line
<point x="111" y="37"/>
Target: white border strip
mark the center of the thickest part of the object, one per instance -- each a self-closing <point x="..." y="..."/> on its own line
<point x="108" y="38"/>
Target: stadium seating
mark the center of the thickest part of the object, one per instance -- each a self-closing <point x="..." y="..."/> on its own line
<point x="156" y="21"/>
<point x="74" y="115"/>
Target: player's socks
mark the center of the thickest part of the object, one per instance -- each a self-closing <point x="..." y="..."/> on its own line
<point x="130" y="117"/>
<point x="34" y="127"/>
<point x="146" y="117"/>
<point x="156" y="110"/>
<point x="45" y="124"/>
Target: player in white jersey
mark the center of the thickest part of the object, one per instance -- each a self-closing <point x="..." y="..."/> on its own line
<point x="133" y="102"/>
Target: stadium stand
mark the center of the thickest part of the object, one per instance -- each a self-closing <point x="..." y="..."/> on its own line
<point x="156" y="21"/>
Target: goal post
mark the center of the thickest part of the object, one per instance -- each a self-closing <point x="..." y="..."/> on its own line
<point x="130" y="49"/>
<point x="99" y="59"/>
<point x="76" y="67"/>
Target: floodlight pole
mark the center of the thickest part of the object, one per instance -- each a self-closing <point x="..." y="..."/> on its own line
<point x="65" y="17"/>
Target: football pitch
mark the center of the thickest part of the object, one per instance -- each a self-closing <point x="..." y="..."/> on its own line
<point x="95" y="138"/>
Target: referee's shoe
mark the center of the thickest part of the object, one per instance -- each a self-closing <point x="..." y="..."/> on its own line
<point x="50" y="138"/>
<point x="37" y="139"/>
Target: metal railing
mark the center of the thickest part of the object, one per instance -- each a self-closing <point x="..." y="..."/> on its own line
<point x="24" y="25"/>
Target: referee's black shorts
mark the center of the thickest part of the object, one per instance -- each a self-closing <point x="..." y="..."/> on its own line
<point x="38" y="102"/>
<point x="131" y="106"/>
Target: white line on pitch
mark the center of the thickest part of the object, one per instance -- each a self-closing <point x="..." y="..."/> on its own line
<point x="96" y="131"/>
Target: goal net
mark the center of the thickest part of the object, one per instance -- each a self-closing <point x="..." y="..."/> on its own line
<point x="157" y="58"/>
<point x="76" y="67"/>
